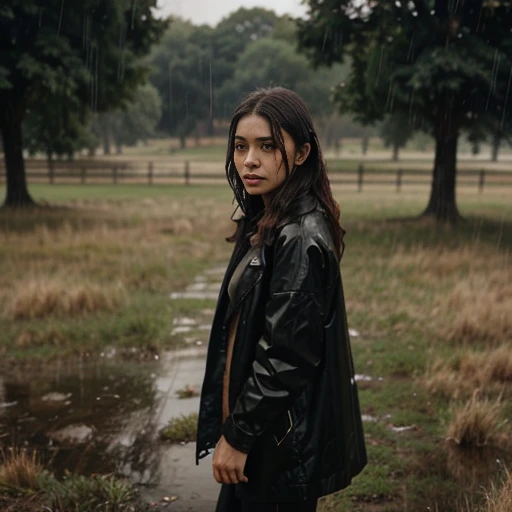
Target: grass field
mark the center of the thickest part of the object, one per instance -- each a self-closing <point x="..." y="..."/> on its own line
<point x="431" y="305"/>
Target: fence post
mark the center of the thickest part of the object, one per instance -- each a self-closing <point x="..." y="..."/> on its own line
<point x="399" y="180"/>
<point x="51" y="171"/>
<point x="481" y="181"/>
<point x="187" y="172"/>
<point x="150" y="173"/>
<point x="360" y="178"/>
<point x="83" y="173"/>
<point x="114" y="174"/>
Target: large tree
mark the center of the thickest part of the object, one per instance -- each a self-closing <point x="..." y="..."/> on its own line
<point x="183" y="73"/>
<point x="56" y="126"/>
<point x="192" y="63"/>
<point x="395" y="131"/>
<point x="136" y="122"/>
<point x="442" y="63"/>
<point x="88" y="54"/>
<point x="279" y="64"/>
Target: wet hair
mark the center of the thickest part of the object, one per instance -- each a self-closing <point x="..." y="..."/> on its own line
<point x="284" y="110"/>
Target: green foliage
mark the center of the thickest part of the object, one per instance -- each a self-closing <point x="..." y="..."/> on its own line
<point x="241" y="28"/>
<point x="202" y="73"/>
<point x="56" y="126"/>
<point x="77" y="493"/>
<point x="56" y="57"/>
<point x="182" y="65"/>
<point x="94" y="50"/>
<point x="396" y="130"/>
<point x="269" y="62"/>
<point x="416" y="57"/>
<point x="137" y="121"/>
<point x="444" y="64"/>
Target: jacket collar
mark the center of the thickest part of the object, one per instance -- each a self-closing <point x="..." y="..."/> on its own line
<point x="301" y="206"/>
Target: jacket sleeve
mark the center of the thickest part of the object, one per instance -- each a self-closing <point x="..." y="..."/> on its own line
<point x="291" y="348"/>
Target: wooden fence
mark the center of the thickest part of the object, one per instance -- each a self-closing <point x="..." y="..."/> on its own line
<point x="188" y="173"/>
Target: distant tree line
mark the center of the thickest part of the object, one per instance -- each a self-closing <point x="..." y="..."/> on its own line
<point x="110" y="74"/>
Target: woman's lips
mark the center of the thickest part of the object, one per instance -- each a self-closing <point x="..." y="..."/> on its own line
<point x="252" y="179"/>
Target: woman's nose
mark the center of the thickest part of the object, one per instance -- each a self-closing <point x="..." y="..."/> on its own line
<point x="252" y="159"/>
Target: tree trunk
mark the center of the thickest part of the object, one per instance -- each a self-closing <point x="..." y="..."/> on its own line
<point x="183" y="142"/>
<point x="364" y="144"/>
<point x="496" y="142"/>
<point x="442" y="204"/>
<point x="105" y="132"/>
<point x="11" y="116"/>
<point x="396" y="149"/>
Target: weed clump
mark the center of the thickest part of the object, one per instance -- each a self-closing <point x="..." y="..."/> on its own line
<point x="187" y="392"/>
<point x="83" y="494"/>
<point x="181" y="430"/>
<point x="19" y="470"/>
<point x="22" y="478"/>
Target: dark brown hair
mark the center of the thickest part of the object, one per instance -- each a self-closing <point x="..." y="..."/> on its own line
<point x="284" y="110"/>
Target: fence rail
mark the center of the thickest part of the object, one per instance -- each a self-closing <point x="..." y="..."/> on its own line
<point x="153" y="173"/>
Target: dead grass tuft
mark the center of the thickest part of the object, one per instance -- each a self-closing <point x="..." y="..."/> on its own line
<point x="481" y="310"/>
<point x="31" y="338"/>
<point x="489" y="371"/>
<point x="443" y="380"/>
<point x="478" y="424"/>
<point x="39" y="299"/>
<point x="499" y="498"/>
<point x="428" y="262"/>
<point x="19" y="469"/>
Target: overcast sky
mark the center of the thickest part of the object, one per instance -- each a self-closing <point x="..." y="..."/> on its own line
<point x="212" y="11"/>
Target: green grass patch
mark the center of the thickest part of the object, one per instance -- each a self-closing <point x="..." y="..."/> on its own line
<point x="58" y="193"/>
<point x="180" y="430"/>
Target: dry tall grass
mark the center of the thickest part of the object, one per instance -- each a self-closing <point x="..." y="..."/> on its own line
<point x="482" y="307"/>
<point x="499" y="498"/>
<point x="65" y="261"/>
<point x="476" y="439"/>
<point x="471" y="286"/>
<point x="489" y="371"/>
<point x="42" y="298"/>
<point x="19" y="470"/>
<point x="478" y="424"/>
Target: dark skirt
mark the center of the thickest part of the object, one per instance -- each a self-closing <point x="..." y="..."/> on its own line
<point x="229" y="502"/>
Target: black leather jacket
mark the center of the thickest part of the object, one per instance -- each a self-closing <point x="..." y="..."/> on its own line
<point x="292" y="395"/>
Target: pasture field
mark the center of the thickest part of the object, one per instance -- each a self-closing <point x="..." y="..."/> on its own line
<point x="430" y="306"/>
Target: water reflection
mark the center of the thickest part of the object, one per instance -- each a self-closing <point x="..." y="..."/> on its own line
<point x="97" y="417"/>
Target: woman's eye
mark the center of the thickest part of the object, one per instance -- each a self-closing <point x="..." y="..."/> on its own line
<point x="268" y="146"/>
<point x="239" y="147"/>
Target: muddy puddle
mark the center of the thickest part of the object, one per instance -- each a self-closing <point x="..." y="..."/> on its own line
<point x="105" y="417"/>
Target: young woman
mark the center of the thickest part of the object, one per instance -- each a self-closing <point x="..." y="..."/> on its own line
<point x="279" y="403"/>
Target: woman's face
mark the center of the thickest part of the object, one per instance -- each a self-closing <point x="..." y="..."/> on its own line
<point x="257" y="157"/>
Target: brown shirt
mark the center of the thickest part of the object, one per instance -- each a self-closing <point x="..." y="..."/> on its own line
<point x="251" y="253"/>
<point x="231" y="342"/>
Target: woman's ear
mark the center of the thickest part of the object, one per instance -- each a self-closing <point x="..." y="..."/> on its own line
<point x="302" y="154"/>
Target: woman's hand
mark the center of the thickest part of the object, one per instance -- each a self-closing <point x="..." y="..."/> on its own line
<point x="228" y="464"/>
